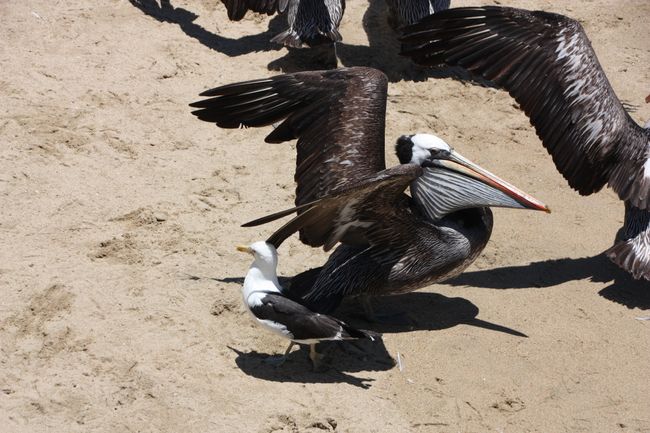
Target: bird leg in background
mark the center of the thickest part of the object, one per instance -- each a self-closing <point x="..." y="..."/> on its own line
<point x="336" y="56"/>
<point x="277" y="361"/>
<point x="315" y="357"/>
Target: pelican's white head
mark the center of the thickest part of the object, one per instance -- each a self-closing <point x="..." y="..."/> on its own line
<point x="458" y="182"/>
<point x="416" y="148"/>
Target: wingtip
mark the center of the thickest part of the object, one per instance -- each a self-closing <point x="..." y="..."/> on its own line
<point x="208" y="92"/>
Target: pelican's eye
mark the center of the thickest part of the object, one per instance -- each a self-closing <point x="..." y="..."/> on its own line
<point x="438" y="153"/>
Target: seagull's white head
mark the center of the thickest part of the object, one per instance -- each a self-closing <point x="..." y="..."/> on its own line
<point x="265" y="254"/>
<point x="416" y="148"/>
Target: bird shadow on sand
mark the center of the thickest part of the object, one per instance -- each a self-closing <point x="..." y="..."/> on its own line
<point x="426" y="311"/>
<point x="165" y="12"/>
<point x="382" y="52"/>
<point x="623" y="289"/>
<point x="340" y="359"/>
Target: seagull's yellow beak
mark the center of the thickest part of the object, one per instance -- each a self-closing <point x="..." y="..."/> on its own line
<point x="244" y="249"/>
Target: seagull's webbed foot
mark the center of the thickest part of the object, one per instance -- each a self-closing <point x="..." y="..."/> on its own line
<point x="277" y="361"/>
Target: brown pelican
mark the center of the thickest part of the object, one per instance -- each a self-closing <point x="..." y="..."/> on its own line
<point x="390" y="242"/>
<point x="404" y="12"/>
<point x="263" y="298"/>
<point x="311" y="22"/>
<point x="545" y="61"/>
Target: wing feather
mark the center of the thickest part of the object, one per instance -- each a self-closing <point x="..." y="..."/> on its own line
<point x="237" y="8"/>
<point x="337" y="116"/>
<point x="303" y="323"/>
<point x="546" y="62"/>
<point x="353" y="214"/>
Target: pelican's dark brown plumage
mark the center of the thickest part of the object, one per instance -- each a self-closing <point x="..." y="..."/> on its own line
<point x="546" y="62"/>
<point x="311" y="22"/>
<point x="390" y="242"/>
<point x="404" y="12"/>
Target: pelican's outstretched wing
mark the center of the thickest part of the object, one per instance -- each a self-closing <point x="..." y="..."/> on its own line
<point x="545" y="61"/>
<point x="337" y="116"/>
<point x="364" y="213"/>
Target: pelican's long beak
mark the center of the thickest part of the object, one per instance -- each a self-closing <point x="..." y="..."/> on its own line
<point x="464" y="184"/>
<point x="467" y="167"/>
<point x="244" y="249"/>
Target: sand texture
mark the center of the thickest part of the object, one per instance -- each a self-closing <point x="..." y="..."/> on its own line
<point x="119" y="214"/>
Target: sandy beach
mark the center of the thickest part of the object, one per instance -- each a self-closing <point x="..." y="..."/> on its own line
<point x="120" y="212"/>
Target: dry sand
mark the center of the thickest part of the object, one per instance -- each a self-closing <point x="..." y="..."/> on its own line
<point x="121" y="309"/>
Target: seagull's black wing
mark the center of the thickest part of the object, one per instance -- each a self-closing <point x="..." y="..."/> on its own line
<point x="337" y="116"/>
<point x="304" y="324"/>
<point x="238" y="8"/>
<point x="546" y="62"/>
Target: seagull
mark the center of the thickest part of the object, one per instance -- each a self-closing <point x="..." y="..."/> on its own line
<point x="311" y="22"/>
<point x="263" y="298"/>
<point x="546" y="62"/>
<point x="390" y="242"/>
<point x="404" y="12"/>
